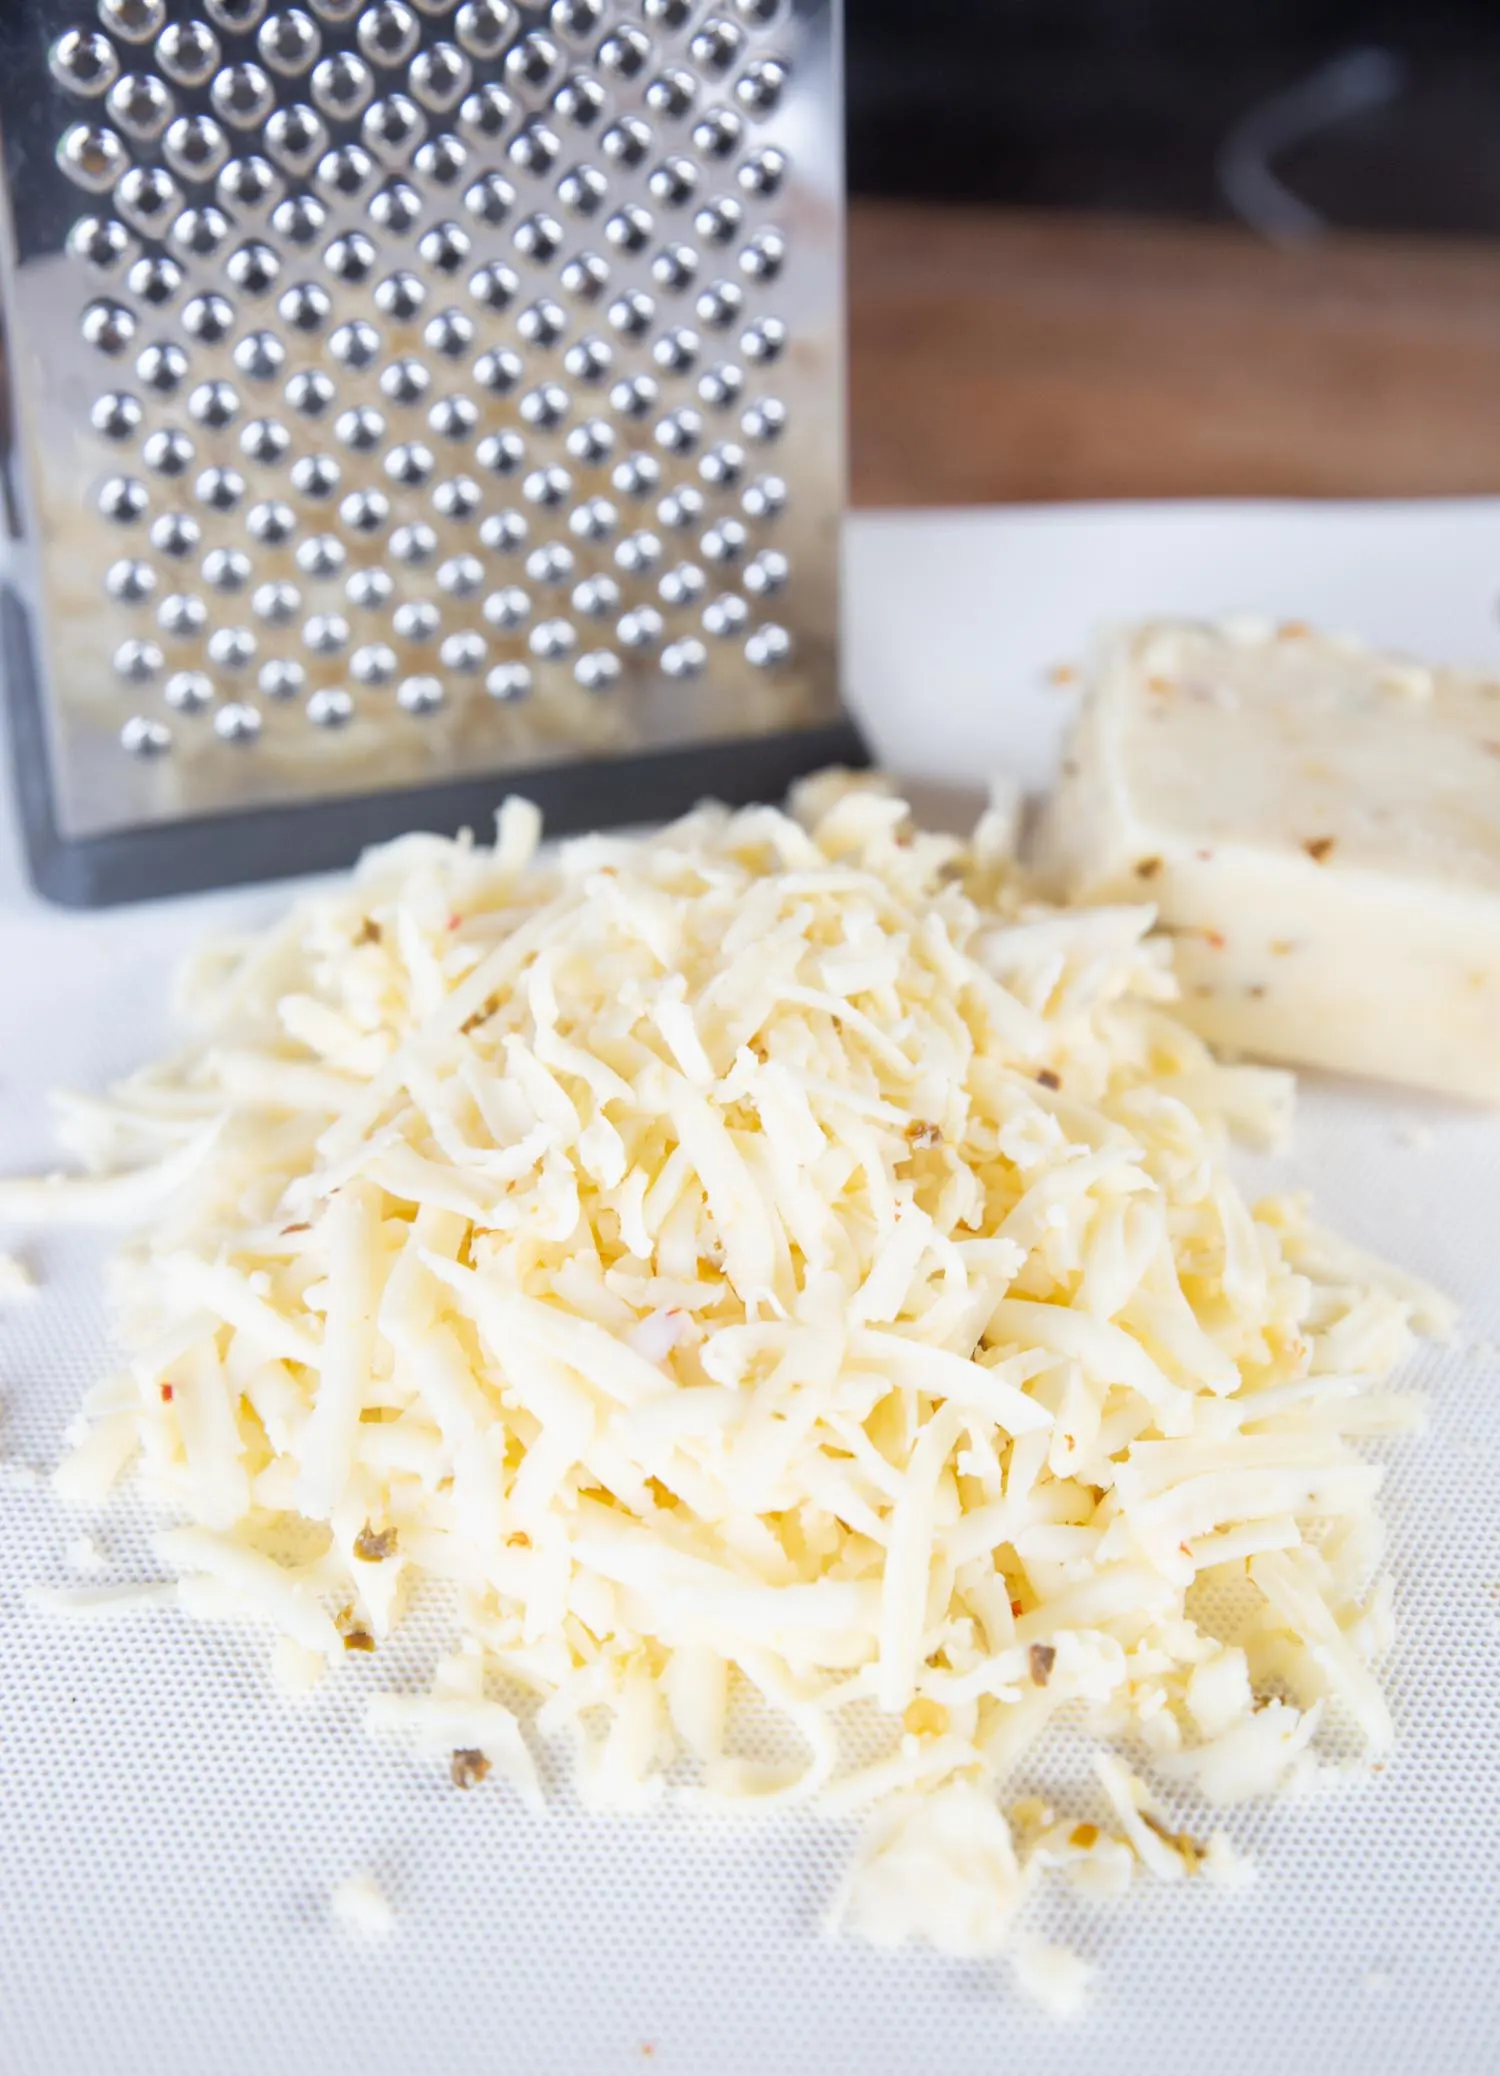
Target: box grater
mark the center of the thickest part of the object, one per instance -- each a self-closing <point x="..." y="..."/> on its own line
<point x="410" y="402"/>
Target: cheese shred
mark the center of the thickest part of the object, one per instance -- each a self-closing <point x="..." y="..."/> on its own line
<point x="768" y="1273"/>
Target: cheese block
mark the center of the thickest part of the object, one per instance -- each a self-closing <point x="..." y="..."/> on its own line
<point x="1318" y="826"/>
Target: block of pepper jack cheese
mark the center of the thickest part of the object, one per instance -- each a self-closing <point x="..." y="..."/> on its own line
<point x="1319" y="828"/>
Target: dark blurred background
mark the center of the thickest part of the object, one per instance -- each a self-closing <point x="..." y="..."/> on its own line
<point x="1191" y="246"/>
<point x="1130" y="104"/>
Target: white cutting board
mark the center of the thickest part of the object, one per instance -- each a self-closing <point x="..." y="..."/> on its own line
<point x="170" y="1830"/>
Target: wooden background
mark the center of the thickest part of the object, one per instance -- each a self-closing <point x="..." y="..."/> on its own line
<point x="1000" y="355"/>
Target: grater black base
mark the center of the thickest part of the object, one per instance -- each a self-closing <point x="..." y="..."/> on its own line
<point x="326" y="835"/>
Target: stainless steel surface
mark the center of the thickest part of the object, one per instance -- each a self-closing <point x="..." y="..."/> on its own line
<point x="406" y="392"/>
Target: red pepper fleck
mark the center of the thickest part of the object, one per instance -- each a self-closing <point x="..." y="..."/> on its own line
<point x="1215" y="938"/>
<point x="468" y="1767"/>
<point x="1018" y="1608"/>
<point x="166" y="1394"/>
<point x="454" y="921"/>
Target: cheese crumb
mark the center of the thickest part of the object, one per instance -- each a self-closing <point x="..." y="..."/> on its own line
<point x="361" y="1908"/>
<point x="17" y="1283"/>
<point x="1222" y="1864"/>
<point x="939" y="1868"/>
<point x="1052" y="1976"/>
<point x="296" y="1670"/>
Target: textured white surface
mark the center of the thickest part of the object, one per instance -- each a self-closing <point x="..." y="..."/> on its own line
<point x="172" y="1829"/>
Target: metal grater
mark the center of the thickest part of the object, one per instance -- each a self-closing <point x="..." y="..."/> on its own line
<point x="411" y="402"/>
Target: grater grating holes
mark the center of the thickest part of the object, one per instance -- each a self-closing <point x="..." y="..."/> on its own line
<point x="144" y="736"/>
<point x="100" y="242"/>
<point x="226" y="569"/>
<point x="440" y="77"/>
<point x="199" y="232"/>
<point x="249" y="183"/>
<point x="181" y="616"/>
<point x="117" y="415"/>
<point x="321" y="556"/>
<point x="188" y="53"/>
<point x="276" y="603"/>
<point x="534" y="150"/>
<point x="420" y="695"/>
<point x="271" y="522"/>
<point x="189" y="691"/>
<point x="533" y="62"/>
<point x="330" y="707"/>
<point x="765" y="420"/>
<point x="140" y="105"/>
<point x="414" y="544"/>
<point x="237" y="722"/>
<point x="343" y="86"/>
<point x="92" y="156"/>
<point x="138" y="661"/>
<point x="123" y="500"/>
<point x="464" y="652"/>
<point x="130" y="581"/>
<point x="84" y="62"/>
<point x="168" y="453"/>
<point x="232" y="648"/>
<point x="585" y="276"/>
<point x="373" y="664"/>
<point x="196" y="147"/>
<point x="503" y="453"/>
<point x="443" y="159"/>
<point x="109" y="327"/>
<point x="282" y="678"/>
<point x="175" y="534"/>
<point x="672" y="95"/>
<point x="485" y="27"/>
<point x="675" y="268"/>
<point x="726" y="616"/>
<point x="581" y="100"/>
<point x="684" y="659"/>
<point x="595" y="520"/>
<point x="509" y="682"/>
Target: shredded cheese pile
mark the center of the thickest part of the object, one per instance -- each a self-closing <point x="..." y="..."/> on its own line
<point x="786" y="1284"/>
